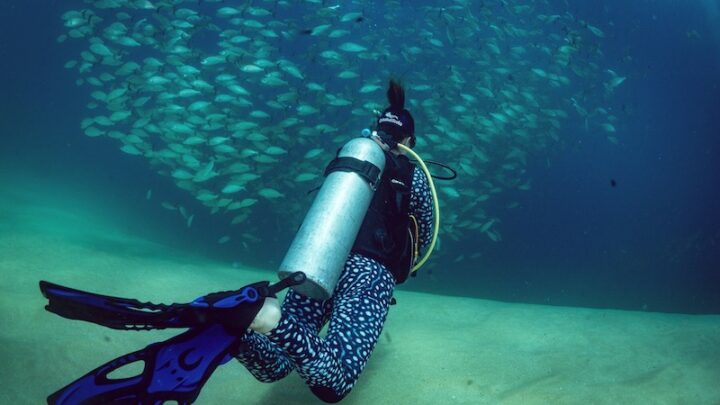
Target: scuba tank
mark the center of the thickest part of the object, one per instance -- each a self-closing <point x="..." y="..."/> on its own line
<point x="323" y="242"/>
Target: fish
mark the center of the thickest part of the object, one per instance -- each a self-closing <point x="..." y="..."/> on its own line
<point x="596" y="31"/>
<point x="352" y="47"/>
<point x="369" y="88"/>
<point x="351" y="16"/>
<point x="270" y="193"/>
<point x="302" y="177"/>
<point x="337" y="33"/>
<point x="182" y="174"/>
<point x="205" y="195"/>
<point x="608" y="127"/>
<point x="486" y="226"/>
<point x="312" y="153"/>
<point x="450" y="192"/>
<point x="194" y="140"/>
<point x="93" y="132"/>
<point x="237" y="104"/>
<point x="246" y="202"/>
<point x="100" y="49"/>
<point x="131" y="150"/>
<point x="275" y="150"/>
<point x="205" y="173"/>
<point x="318" y="30"/>
<point x="217" y="140"/>
<point x="227" y="11"/>
<point x="232" y="188"/>
<point x="305" y="109"/>
<point x="616" y="81"/>
<point x="539" y="72"/>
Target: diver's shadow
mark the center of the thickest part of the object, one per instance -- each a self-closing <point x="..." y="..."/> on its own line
<point x="289" y="390"/>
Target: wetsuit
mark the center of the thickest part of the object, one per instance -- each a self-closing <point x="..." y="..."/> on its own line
<point x="357" y="310"/>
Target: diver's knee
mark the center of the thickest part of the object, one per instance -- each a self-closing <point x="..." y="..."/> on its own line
<point x="327" y="394"/>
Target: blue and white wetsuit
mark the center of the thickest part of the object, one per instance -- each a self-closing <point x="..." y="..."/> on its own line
<point x="357" y="310"/>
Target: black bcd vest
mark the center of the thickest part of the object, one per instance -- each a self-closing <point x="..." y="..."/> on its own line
<point x="385" y="234"/>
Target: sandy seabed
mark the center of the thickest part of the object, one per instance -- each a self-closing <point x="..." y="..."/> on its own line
<point x="434" y="350"/>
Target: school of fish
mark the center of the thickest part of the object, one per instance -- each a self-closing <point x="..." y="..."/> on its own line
<point x="243" y="103"/>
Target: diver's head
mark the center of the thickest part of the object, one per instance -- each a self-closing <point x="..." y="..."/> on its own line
<point x="396" y="120"/>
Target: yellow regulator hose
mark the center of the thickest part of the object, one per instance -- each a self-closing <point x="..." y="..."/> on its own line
<point x="436" y="207"/>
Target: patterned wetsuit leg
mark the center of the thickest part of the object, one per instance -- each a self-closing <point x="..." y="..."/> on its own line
<point x="265" y="360"/>
<point x="359" y="307"/>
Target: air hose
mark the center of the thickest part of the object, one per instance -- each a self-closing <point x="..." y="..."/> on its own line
<point x="436" y="207"/>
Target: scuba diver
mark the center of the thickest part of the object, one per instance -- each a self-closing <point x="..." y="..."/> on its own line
<point x="383" y="254"/>
<point x="373" y="215"/>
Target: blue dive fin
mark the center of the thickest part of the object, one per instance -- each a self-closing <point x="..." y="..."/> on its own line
<point x="174" y="370"/>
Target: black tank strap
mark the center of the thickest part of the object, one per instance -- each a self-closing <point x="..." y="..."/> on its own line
<point x="365" y="169"/>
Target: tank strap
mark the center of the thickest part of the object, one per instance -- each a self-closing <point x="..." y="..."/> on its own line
<point x="365" y="169"/>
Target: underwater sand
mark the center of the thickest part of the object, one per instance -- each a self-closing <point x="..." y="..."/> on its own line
<point x="434" y="349"/>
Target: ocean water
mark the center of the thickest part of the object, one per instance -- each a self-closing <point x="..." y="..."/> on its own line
<point x="632" y="223"/>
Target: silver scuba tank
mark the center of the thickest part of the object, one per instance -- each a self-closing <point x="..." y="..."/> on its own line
<point x="323" y="242"/>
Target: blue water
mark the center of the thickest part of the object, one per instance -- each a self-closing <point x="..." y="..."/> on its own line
<point x="650" y="242"/>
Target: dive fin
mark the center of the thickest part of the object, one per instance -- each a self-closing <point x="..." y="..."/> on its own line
<point x="131" y="314"/>
<point x="174" y="370"/>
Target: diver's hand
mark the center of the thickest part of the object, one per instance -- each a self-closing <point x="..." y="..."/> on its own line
<point x="268" y="317"/>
